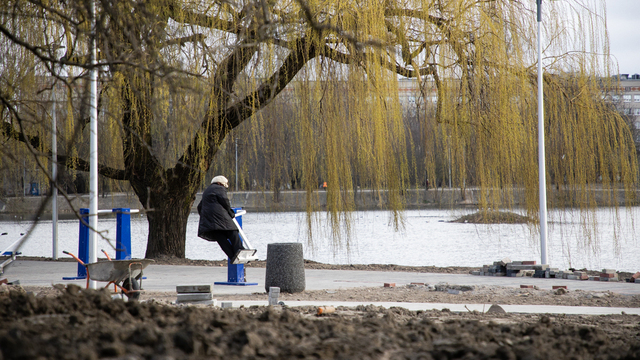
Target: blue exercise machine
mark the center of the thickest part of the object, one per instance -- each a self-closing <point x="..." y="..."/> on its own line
<point x="123" y="238"/>
<point x="235" y="272"/>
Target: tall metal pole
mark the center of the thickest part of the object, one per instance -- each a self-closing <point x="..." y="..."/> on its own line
<point x="54" y="167"/>
<point x="93" y="143"/>
<point x="541" y="158"/>
<point x="54" y="178"/>
<point x="236" y="164"/>
<point x="449" y="161"/>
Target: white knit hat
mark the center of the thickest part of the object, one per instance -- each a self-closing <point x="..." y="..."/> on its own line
<point x="221" y="180"/>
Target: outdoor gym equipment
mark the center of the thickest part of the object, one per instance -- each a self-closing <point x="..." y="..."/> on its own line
<point x="10" y="252"/>
<point x="235" y="272"/>
<point x="123" y="237"/>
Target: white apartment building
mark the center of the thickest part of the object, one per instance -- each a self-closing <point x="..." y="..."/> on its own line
<point x="626" y="97"/>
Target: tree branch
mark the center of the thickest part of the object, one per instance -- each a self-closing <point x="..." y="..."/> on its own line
<point x="183" y="40"/>
<point x="260" y="98"/>
<point x="83" y="165"/>
<point x="397" y="68"/>
<point x="191" y="18"/>
<point x="8" y="131"/>
<point x="232" y="116"/>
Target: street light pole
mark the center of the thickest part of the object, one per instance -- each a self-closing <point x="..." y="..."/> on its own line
<point x="54" y="177"/>
<point x="236" y="164"/>
<point x="449" y="161"/>
<point x="93" y="146"/>
<point x="541" y="156"/>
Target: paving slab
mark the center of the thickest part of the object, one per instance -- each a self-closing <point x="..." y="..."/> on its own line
<point x="165" y="278"/>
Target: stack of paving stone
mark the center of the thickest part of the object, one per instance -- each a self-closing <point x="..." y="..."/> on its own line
<point x="506" y="267"/>
<point x="573" y="275"/>
<point x="499" y="268"/>
<point x="195" y="294"/>
<point x="608" y="275"/>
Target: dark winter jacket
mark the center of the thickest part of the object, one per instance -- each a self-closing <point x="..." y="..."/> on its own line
<point x="215" y="210"/>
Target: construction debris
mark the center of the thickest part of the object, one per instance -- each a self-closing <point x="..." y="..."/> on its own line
<point x="496" y="309"/>
<point x="326" y="310"/>
<point x="195" y="294"/>
<point x="529" y="268"/>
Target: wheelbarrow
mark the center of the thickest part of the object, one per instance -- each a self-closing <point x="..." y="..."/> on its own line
<point x="125" y="275"/>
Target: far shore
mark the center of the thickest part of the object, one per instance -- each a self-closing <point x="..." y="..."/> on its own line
<point x="25" y="208"/>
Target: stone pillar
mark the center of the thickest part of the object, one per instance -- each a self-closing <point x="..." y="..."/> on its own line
<point x="285" y="267"/>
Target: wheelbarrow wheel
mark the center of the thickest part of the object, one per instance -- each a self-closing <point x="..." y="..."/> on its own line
<point x="134" y="285"/>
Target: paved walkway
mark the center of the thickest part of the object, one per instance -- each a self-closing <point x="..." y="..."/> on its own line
<point x="165" y="278"/>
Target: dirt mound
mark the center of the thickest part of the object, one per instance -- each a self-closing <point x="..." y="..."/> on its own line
<point x="494" y="217"/>
<point x="88" y="324"/>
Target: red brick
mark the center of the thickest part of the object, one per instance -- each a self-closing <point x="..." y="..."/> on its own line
<point x="417" y="283"/>
<point x="4" y="281"/>
<point x="603" y="275"/>
<point x="389" y="284"/>
<point x="596" y="278"/>
<point x="559" y="287"/>
<point x="636" y="275"/>
<point x="526" y="286"/>
<point x="529" y="262"/>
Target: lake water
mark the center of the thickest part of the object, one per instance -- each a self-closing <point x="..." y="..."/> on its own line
<point x="428" y="238"/>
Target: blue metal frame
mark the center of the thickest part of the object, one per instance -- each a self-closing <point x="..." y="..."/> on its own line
<point x="83" y="246"/>
<point x="123" y="239"/>
<point x="235" y="273"/>
<point x="123" y="233"/>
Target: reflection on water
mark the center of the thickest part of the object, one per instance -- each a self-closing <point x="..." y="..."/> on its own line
<point x="426" y="239"/>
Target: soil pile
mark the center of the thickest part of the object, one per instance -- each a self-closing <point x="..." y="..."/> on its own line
<point x="88" y="324"/>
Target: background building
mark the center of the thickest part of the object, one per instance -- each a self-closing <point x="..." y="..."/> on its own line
<point x="626" y="97"/>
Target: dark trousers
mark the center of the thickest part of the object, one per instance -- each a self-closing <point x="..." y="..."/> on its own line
<point x="229" y="241"/>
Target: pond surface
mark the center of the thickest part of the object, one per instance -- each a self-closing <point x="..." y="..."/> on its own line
<point x="427" y="238"/>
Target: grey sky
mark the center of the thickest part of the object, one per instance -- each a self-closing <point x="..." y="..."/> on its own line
<point x="623" y="22"/>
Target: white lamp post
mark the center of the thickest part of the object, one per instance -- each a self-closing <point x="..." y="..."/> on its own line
<point x="236" y="164"/>
<point x="541" y="159"/>
<point x="93" y="145"/>
<point x="54" y="177"/>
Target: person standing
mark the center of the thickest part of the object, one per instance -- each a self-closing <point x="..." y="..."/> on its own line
<point x="216" y="219"/>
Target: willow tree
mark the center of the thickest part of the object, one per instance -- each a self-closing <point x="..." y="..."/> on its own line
<point x="177" y="77"/>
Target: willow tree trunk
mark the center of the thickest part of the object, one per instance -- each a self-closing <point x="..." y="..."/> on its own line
<point x="168" y="205"/>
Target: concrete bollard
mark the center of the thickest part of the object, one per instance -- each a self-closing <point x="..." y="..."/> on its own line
<point x="285" y="267"/>
<point x="274" y="293"/>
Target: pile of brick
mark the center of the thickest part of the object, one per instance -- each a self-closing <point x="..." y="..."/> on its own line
<point x="506" y="267"/>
